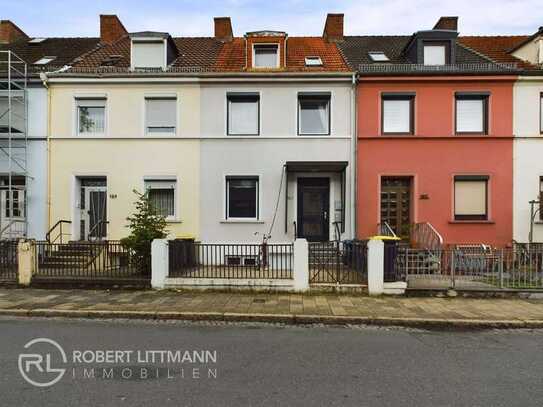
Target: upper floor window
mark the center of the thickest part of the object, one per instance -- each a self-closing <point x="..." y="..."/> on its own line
<point x="243" y="114"/>
<point x="540" y="198"/>
<point x="91" y="116"/>
<point x="242" y="197"/>
<point x="541" y="113"/>
<point x="397" y="114"/>
<point x="160" y="115"/>
<point x="471" y="197"/>
<point x="313" y="114"/>
<point x="162" y="195"/>
<point x="148" y="54"/>
<point x="435" y="54"/>
<point x="266" y="56"/>
<point x="471" y="113"/>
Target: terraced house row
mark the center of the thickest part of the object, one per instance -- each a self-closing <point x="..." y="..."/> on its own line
<point x="430" y="135"/>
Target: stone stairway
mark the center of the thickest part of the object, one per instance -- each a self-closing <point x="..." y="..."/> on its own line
<point x="70" y="255"/>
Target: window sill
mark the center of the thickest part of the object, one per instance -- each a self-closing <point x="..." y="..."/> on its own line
<point x="253" y="221"/>
<point x="173" y="220"/>
<point x="484" y="222"/>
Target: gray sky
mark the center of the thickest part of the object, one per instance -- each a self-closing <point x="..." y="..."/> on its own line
<point x="297" y="17"/>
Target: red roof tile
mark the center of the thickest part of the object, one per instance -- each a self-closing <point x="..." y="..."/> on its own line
<point x="496" y="47"/>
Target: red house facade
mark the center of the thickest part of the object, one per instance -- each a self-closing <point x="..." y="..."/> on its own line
<point x="435" y="132"/>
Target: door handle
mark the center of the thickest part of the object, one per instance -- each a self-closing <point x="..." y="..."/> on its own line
<point x="325" y="215"/>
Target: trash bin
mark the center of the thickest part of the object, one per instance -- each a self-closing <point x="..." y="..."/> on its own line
<point x="391" y="252"/>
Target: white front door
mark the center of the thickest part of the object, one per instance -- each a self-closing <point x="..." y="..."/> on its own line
<point x="12" y="211"/>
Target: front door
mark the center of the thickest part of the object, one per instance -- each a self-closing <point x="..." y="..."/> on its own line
<point x="396" y="204"/>
<point x="93" y="212"/>
<point x="313" y="209"/>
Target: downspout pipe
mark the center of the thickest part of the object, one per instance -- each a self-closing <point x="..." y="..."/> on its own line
<point x="354" y="157"/>
<point x="45" y="81"/>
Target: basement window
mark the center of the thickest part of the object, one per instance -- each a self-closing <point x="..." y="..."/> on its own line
<point x="471" y="197"/>
<point x="44" y="60"/>
<point x="313" y="61"/>
<point x="378" y="56"/>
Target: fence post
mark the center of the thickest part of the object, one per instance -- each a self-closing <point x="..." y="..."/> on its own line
<point x="301" y="265"/>
<point x="26" y="260"/>
<point x="376" y="267"/>
<point x="159" y="263"/>
<point x="500" y="268"/>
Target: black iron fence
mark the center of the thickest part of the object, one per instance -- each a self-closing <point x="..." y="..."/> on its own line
<point x="343" y="262"/>
<point x="104" y="260"/>
<point x="472" y="267"/>
<point x="191" y="259"/>
<point x="8" y="260"/>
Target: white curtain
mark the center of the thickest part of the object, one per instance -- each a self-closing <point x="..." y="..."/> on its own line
<point x="243" y="116"/>
<point x="397" y="116"/>
<point x="469" y="115"/>
<point x="92" y="115"/>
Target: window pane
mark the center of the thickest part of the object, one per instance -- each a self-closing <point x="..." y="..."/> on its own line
<point x="314" y="115"/>
<point x="242" y="198"/>
<point x="470" y="115"/>
<point x="434" y="55"/>
<point x="541" y="114"/>
<point x="148" y="54"/>
<point x="265" y="56"/>
<point x="470" y="198"/>
<point x="397" y="116"/>
<point x="160" y="115"/>
<point x="91" y="119"/>
<point x="243" y="115"/>
<point x="163" y="201"/>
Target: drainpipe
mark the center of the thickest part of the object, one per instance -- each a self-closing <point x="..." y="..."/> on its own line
<point x="354" y="157"/>
<point x="44" y="79"/>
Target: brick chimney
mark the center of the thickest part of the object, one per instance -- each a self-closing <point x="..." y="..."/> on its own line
<point x="9" y="32"/>
<point x="447" y="23"/>
<point x="223" y="29"/>
<point x="111" y="28"/>
<point x="333" y="28"/>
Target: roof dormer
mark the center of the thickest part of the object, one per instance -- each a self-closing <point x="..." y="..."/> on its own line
<point x="151" y="50"/>
<point x="266" y="50"/>
<point x="434" y="47"/>
<point x="531" y="49"/>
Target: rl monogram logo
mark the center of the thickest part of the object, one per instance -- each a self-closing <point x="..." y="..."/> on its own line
<point x="38" y="368"/>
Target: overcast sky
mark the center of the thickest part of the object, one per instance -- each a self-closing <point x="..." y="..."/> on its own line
<point x="296" y="17"/>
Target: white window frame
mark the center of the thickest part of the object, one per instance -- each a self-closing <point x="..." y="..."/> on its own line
<point x="277" y="55"/>
<point x="299" y="109"/>
<point x="162" y="182"/>
<point x="313" y="61"/>
<point x="148" y="40"/>
<point x="378" y="56"/>
<point x="77" y="98"/>
<point x="171" y="96"/>
<point x="258" y="201"/>
<point x="437" y="45"/>
<point x="227" y="112"/>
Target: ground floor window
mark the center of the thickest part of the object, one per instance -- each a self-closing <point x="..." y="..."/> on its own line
<point x="242" y="197"/>
<point x="471" y="197"/>
<point x="162" y="194"/>
<point x="540" y="198"/>
<point x="13" y="203"/>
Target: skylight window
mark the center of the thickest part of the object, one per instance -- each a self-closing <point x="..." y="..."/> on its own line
<point x="313" y="61"/>
<point x="36" y="40"/>
<point x="44" y="60"/>
<point x="378" y="56"/>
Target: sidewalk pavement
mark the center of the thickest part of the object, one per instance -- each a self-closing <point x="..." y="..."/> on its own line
<point x="286" y="308"/>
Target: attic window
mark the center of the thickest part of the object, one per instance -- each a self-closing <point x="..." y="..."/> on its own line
<point x="36" y="40"/>
<point x="313" y="61"/>
<point x="378" y="56"/>
<point x="148" y="54"/>
<point x="44" y="60"/>
<point x="266" y="56"/>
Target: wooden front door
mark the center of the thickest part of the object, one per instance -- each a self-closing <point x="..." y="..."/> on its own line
<point x="396" y="204"/>
<point x="313" y="209"/>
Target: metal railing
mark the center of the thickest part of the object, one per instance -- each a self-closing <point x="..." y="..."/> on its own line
<point x="387" y="68"/>
<point x="384" y="229"/>
<point x="338" y="262"/>
<point x="8" y="260"/>
<point x="105" y="260"/>
<point x="472" y="267"/>
<point x="11" y="232"/>
<point x="191" y="259"/>
<point x="425" y="236"/>
<point x="60" y="235"/>
<point x="98" y="227"/>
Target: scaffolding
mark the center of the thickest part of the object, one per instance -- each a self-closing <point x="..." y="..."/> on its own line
<point x="13" y="146"/>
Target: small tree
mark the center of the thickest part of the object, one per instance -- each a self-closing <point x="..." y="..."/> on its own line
<point x="145" y="224"/>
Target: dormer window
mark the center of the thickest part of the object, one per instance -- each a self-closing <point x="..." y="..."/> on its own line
<point x="148" y="54"/>
<point x="36" y="40"/>
<point x="313" y="61"/>
<point x="44" y="60"/>
<point x="435" y="54"/>
<point x="266" y="55"/>
<point x="378" y="56"/>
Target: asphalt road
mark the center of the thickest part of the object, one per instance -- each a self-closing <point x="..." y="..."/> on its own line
<point x="260" y="364"/>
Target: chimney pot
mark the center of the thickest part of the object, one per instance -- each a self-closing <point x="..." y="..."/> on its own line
<point x="9" y="32"/>
<point x="333" y="28"/>
<point x="447" y="23"/>
<point x="111" y="28"/>
<point x="223" y="29"/>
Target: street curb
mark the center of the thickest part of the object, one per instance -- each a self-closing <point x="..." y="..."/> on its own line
<point x="293" y="319"/>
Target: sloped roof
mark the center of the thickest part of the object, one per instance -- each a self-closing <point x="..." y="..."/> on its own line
<point x="497" y="47"/>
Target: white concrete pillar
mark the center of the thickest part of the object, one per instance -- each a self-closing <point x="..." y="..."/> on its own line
<point x="301" y="265"/>
<point x="159" y="263"/>
<point x="26" y="258"/>
<point x="376" y="267"/>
